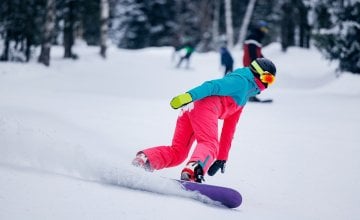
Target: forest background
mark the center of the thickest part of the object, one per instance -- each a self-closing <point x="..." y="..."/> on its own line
<point x="333" y="26"/>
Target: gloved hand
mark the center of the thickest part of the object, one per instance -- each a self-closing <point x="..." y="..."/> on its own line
<point x="218" y="164"/>
<point x="180" y="100"/>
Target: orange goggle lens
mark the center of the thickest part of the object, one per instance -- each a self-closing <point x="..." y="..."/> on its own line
<point x="267" y="78"/>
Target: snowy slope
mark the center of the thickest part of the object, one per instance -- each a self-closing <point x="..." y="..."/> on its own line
<point x="69" y="132"/>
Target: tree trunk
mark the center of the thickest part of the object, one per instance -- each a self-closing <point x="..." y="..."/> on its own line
<point x="246" y="21"/>
<point x="215" y="25"/>
<point x="5" y="55"/>
<point x="6" y="29"/>
<point x="287" y="27"/>
<point x="69" y="20"/>
<point x="304" y="28"/>
<point x="49" y="25"/>
<point x="229" y="25"/>
<point x="29" y="43"/>
<point x="104" y="17"/>
<point x="205" y="25"/>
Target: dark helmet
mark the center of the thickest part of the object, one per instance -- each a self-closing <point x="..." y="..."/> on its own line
<point x="263" y="26"/>
<point x="262" y="23"/>
<point x="261" y="65"/>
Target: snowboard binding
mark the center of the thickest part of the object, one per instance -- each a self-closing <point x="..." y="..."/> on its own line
<point x="193" y="172"/>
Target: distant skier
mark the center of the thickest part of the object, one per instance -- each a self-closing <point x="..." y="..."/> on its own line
<point x="252" y="46"/>
<point x="223" y="99"/>
<point x="226" y="60"/>
<point x="186" y="51"/>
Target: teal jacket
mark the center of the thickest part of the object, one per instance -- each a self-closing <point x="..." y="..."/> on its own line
<point x="230" y="95"/>
<point x="239" y="85"/>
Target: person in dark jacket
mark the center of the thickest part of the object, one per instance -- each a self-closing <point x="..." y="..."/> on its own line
<point x="226" y="60"/>
<point x="252" y="46"/>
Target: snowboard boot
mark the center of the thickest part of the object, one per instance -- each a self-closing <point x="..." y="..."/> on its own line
<point x="254" y="99"/>
<point x="193" y="172"/>
<point x="142" y="161"/>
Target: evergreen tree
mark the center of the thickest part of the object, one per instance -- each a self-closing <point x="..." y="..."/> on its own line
<point x="70" y="20"/>
<point x="294" y="31"/>
<point x="130" y="24"/>
<point x="143" y="23"/>
<point x="49" y="24"/>
<point x="287" y="26"/>
<point x="162" y="24"/>
<point x="90" y="21"/>
<point x="337" y="32"/>
<point x="206" y="25"/>
<point x="188" y="21"/>
<point x="20" y="22"/>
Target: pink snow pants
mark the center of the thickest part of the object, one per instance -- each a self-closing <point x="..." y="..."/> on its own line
<point x="197" y="121"/>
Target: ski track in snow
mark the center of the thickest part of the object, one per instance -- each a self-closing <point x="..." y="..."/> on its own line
<point x="70" y="160"/>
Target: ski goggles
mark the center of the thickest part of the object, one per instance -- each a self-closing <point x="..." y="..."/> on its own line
<point x="264" y="30"/>
<point x="265" y="76"/>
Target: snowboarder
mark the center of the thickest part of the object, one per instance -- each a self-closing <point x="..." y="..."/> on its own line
<point x="226" y="60"/>
<point x="198" y="120"/>
<point x="252" y="46"/>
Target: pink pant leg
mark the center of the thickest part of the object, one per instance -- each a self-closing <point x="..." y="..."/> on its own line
<point x="169" y="156"/>
<point x="204" y="121"/>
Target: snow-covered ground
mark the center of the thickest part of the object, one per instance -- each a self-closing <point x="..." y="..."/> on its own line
<point x="69" y="132"/>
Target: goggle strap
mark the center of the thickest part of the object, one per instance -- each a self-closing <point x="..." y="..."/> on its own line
<point x="257" y="67"/>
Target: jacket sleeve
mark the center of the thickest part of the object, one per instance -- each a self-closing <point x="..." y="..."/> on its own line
<point x="226" y="86"/>
<point x="227" y="135"/>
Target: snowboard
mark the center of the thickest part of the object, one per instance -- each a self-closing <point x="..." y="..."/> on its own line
<point x="257" y="100"/>
<point x="228" y="197"/>
<point x="265" y="101"/>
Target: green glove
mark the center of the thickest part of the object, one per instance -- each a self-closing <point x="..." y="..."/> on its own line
<point x="180" y="100"/>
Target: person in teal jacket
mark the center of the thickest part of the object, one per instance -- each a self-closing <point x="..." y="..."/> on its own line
<point x="202" y="107"/>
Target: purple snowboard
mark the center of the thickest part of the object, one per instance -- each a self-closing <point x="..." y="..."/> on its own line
<point x="226" y="196"/>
